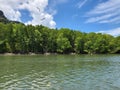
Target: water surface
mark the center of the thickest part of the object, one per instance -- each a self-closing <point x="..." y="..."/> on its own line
<point x="60" y="72"/>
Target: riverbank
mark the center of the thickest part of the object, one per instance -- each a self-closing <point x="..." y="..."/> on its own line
<point x="12" y="54"/>
<point x="46" y="54"/>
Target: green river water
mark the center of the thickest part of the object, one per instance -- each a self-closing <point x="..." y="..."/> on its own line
<point x="60" y="72"/>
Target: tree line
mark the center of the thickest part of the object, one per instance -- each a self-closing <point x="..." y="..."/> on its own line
<point x="20" y="38"/>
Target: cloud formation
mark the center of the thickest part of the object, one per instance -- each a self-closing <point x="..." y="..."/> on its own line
<point x="52" y="5"/>
<point x="12" y="8"/>
<point x="81" y="3"/>
<point x="105" y="12"/>
<point x="114" y="32"/>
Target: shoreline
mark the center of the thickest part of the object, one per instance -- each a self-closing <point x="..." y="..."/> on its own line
<point x="31" y="54"/>
<point x="47" y="54"/>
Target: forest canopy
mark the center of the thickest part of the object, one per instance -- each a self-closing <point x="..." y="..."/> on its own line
<point x="19" y="38"/>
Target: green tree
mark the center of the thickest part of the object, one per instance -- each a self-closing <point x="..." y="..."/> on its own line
<point x="63" y="44"/>
<point x="79" y="42"/>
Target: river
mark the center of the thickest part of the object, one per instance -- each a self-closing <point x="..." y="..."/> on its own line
<point x="60" y="72"/>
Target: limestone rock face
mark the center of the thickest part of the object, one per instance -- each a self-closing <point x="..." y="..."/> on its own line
<point x="1" y="14"/>
<point x="3" y="19"/>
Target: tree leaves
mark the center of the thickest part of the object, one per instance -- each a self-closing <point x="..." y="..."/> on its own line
<point x="18" y="38"/>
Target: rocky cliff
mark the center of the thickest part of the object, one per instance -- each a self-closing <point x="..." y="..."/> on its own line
<point x="3" y="19"/>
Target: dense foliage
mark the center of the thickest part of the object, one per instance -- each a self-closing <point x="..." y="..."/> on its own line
<point x="18" y="38"/>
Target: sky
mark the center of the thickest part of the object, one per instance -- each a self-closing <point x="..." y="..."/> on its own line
<point x="84" y="15"/>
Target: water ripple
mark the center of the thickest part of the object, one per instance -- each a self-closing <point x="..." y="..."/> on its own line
<point x="81" y="74"/>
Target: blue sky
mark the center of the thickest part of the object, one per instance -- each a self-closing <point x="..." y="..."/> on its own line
<point x="84" y="15"/>
<point x="74" y="14"/>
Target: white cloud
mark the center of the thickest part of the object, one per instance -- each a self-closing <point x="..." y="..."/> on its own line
<point x="114" y="32"/>
<point x="107" y="12"/>
<point x="81" y="3"/>
<point x="12" y="8"/>
<point x="105" y="17"/>
<point x="53" y="3"/>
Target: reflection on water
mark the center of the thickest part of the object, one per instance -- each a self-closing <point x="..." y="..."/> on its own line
<point x="60" y="72"/>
